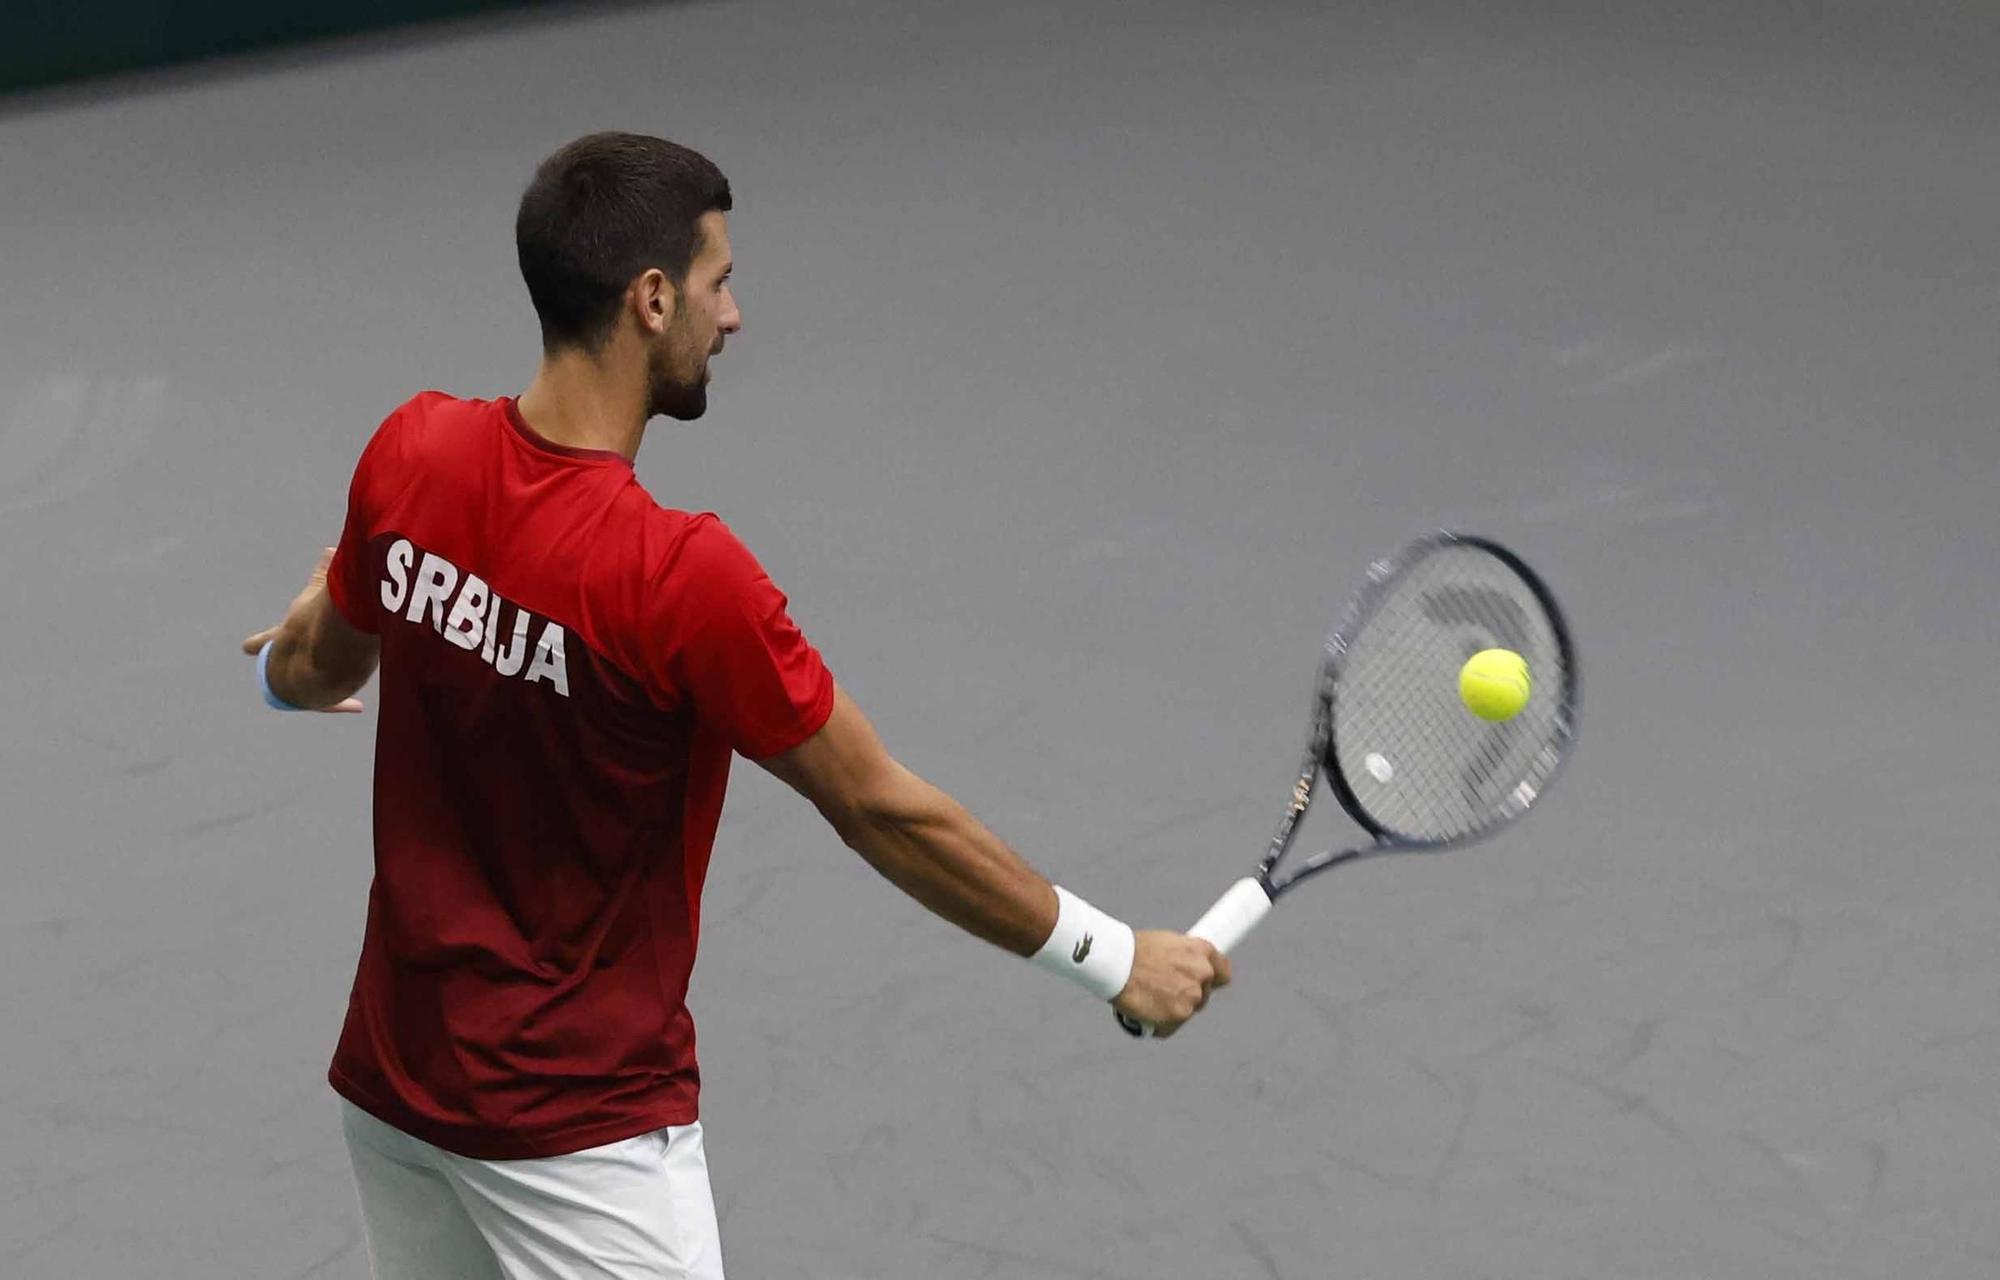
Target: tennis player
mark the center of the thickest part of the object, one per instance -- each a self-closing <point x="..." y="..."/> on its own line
<point x="567" y="669"/>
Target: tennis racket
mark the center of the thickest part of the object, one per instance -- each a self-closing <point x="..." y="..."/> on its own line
<point x="1404" y="756"/>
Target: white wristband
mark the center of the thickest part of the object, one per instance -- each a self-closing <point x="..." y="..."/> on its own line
<point x="1088" y="947"/>
<point x="271" y="699"/>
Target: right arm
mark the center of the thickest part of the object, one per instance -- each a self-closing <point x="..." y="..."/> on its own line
<point x="927" y="845"/>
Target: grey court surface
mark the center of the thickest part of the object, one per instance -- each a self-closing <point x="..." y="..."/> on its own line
<point x="1091" y="353"/>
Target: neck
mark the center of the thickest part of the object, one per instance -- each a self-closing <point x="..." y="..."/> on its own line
<point x="587" y="401"/>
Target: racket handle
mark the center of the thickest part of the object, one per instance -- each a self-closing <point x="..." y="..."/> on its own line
<point x="1234" y="915"/>
<point x="1223" y="926"/>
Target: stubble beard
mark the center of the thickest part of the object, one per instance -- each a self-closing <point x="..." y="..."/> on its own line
<point x="681" y="396"/>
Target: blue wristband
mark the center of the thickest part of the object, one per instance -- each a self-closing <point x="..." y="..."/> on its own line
<point x="271" y="700"/>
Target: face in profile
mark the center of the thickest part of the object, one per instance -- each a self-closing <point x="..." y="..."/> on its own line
<point x="704" y="315"/>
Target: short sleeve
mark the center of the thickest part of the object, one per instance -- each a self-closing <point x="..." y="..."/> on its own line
<point x="733" y="648"/>
<point x="350" y="579"/>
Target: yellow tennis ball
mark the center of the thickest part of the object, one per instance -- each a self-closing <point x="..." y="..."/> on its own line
<point x="1494" y="684"/>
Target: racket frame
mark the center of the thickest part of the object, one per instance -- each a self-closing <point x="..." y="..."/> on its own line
<point x="1231" y="918"/>
<point x="1321" y="754"/>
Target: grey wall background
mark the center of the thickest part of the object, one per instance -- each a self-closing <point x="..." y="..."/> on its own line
<point x="1090" y="354"/>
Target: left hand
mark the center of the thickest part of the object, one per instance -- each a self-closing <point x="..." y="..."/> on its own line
<point x="296" y="618"/>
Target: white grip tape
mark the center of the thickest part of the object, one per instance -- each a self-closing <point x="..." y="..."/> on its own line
<point x="1234" y="915"/>
<point x="1238" y="911"/>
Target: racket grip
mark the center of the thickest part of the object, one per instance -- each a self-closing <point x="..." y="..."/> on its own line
<point x="1234" y="915"/>
<point x="1224" y="925"/>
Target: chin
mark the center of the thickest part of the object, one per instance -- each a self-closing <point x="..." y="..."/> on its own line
<point x="687" y="408"/>
<point x="684" y="403"/>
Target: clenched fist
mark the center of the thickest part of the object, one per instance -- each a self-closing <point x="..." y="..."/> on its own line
<point x="1172" y="976"/>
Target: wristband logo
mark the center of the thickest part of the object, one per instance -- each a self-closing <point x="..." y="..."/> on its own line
<point x="1082" y="950"/>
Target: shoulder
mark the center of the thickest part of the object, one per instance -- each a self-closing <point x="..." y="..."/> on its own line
<point x="431" y="429"/>
<point x="693" y="545"/>
<point x="423" y="410"/>
<point x="659" y="579"/>
<point x="695" y="564"/>
<point x="407" y="426"/>
<point x="436" y="418"/>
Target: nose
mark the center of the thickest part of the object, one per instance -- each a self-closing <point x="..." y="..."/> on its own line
<point x="731" y="318"/>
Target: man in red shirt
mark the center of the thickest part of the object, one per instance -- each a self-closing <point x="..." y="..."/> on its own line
<point x="567" y="669"/>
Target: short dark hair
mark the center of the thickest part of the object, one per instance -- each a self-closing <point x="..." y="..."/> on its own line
<point x="600" y="211"/>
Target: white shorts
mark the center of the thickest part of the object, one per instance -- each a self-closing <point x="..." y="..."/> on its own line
<point x="626" y="1210"/>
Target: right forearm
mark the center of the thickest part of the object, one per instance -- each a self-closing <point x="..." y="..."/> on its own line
<point x="927" y="845"/>
<point x="930" y="847"/>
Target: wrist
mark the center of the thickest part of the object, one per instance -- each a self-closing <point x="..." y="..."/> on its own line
<point x="271" y="698"/>
<point x="1087" y="946"/>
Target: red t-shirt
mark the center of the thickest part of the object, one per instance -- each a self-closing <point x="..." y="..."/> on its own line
<point x="566" y="668"/>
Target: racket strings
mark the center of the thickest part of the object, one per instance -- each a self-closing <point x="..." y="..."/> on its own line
<point x="1414" y="732"/>
<point x="1479" y="755"/>
<point x="1416" y="758"/>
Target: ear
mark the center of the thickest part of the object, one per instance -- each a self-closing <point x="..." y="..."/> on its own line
<point x="654" y="299"/>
